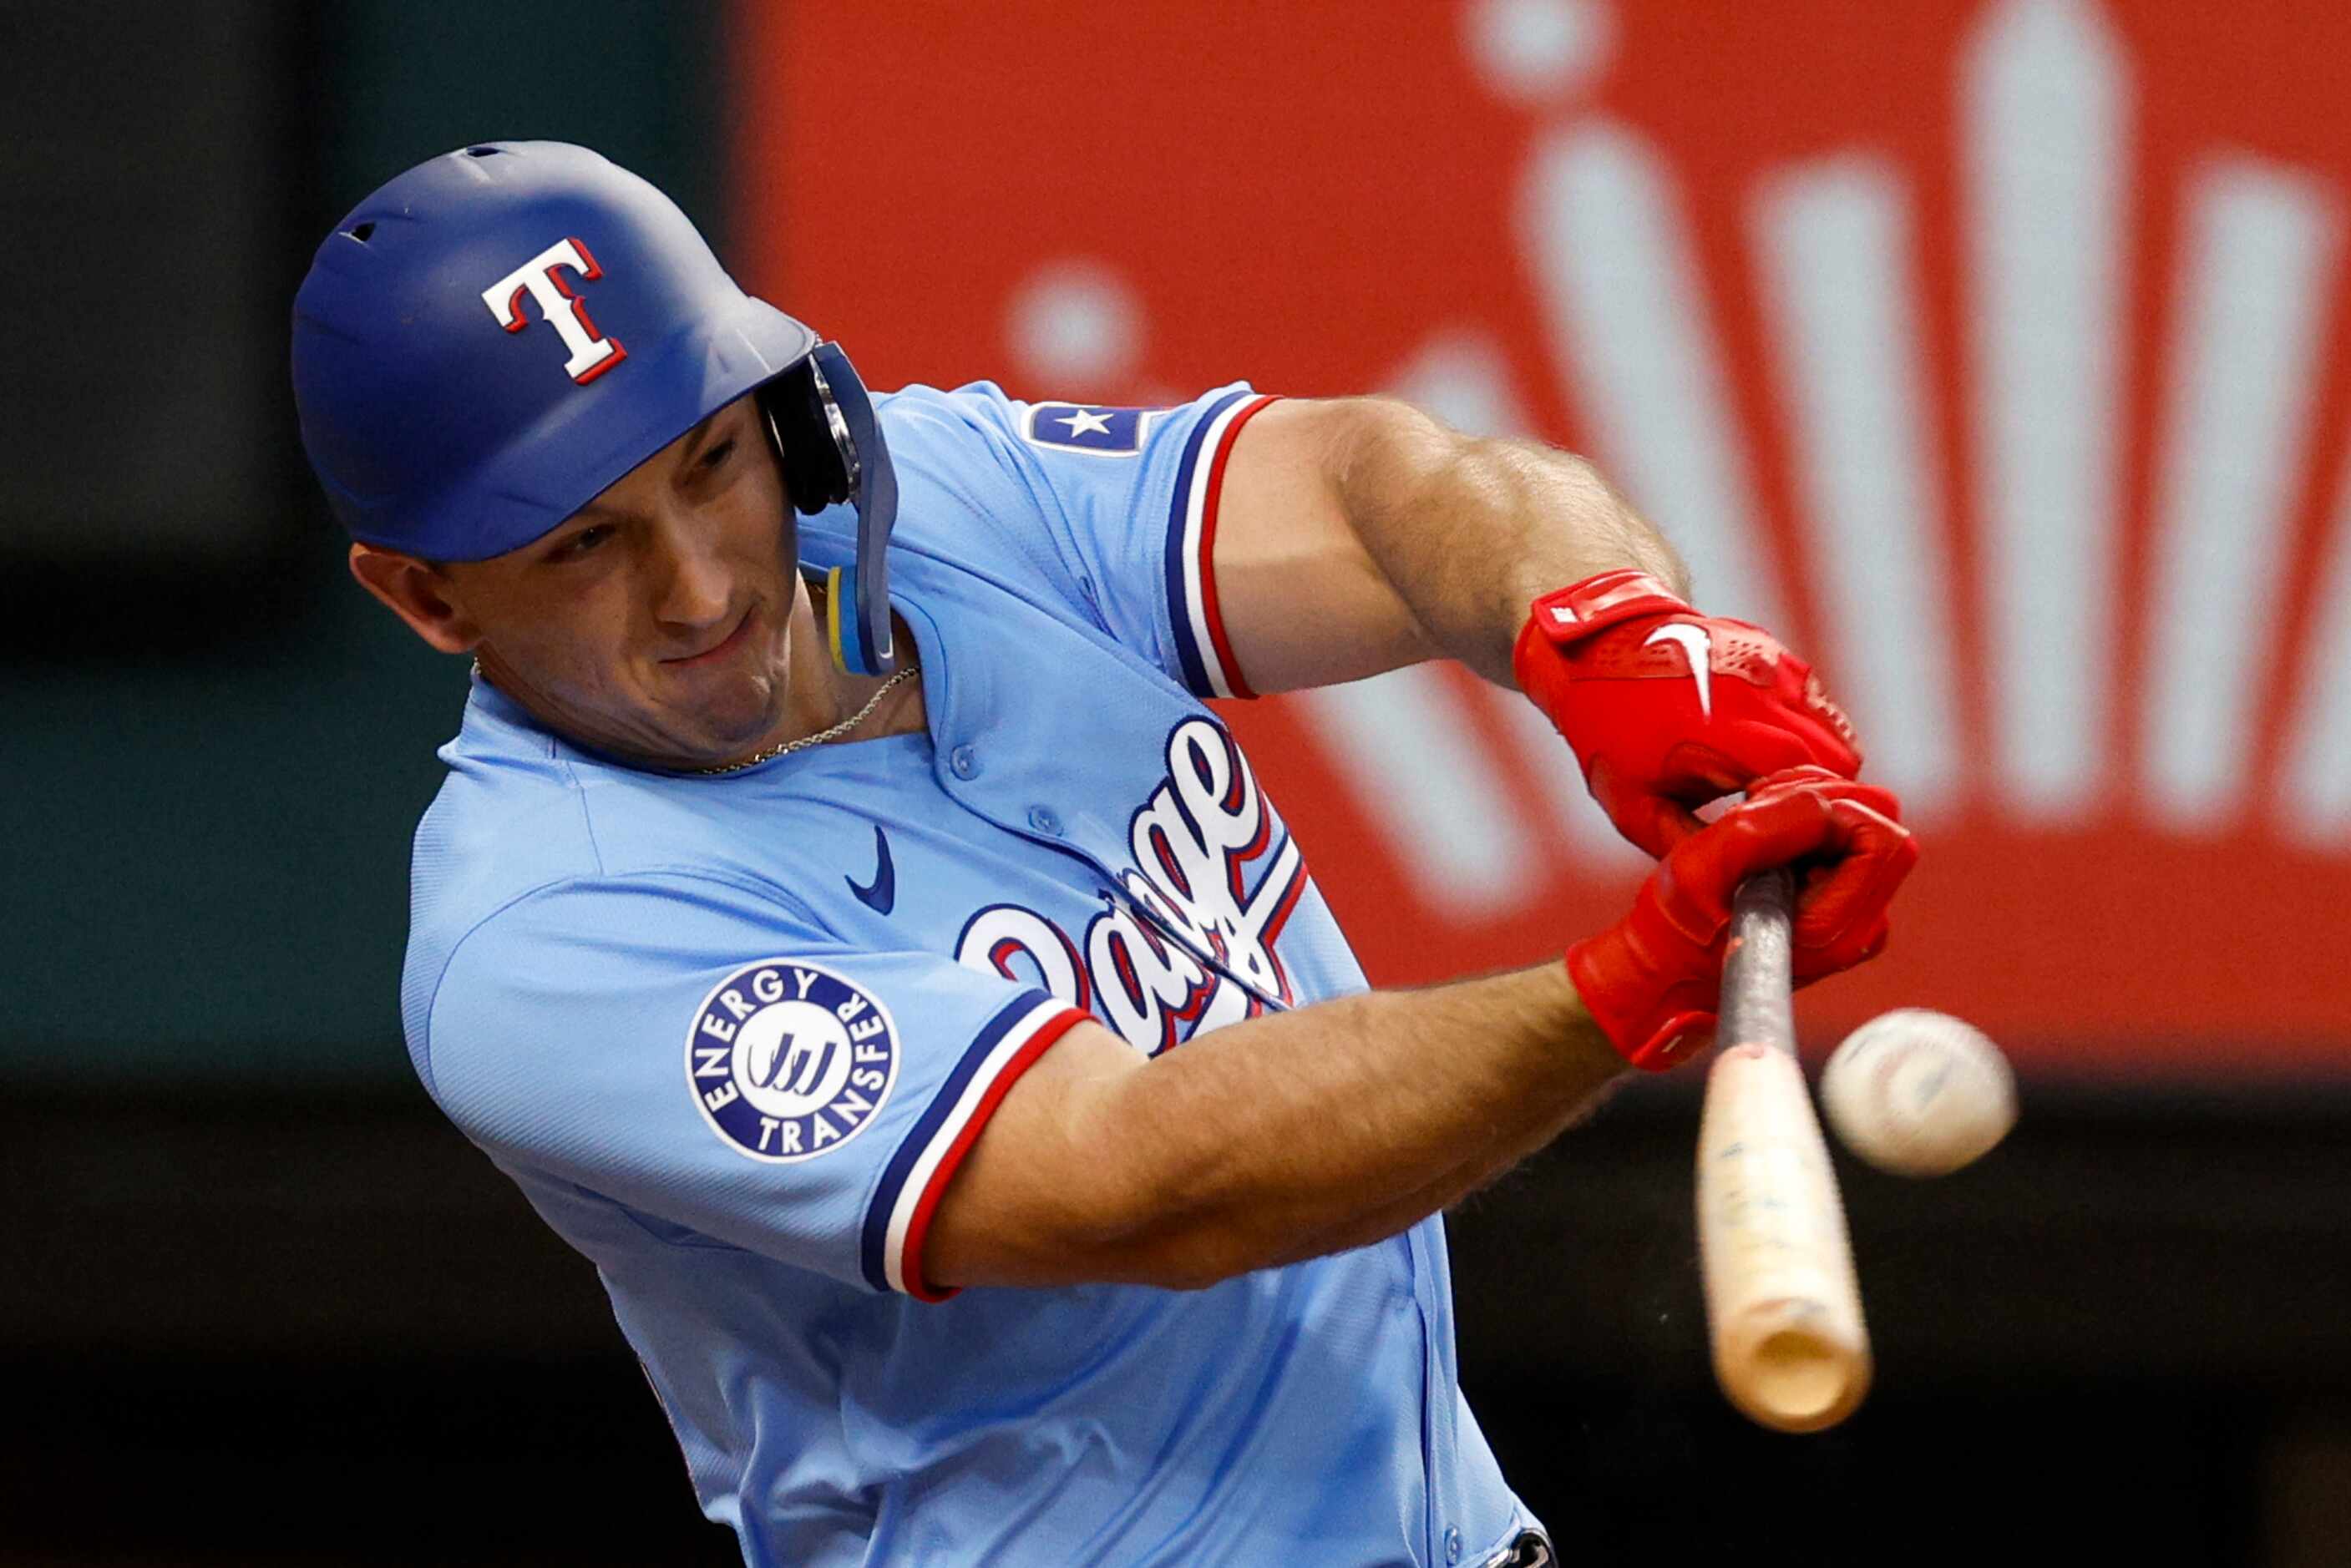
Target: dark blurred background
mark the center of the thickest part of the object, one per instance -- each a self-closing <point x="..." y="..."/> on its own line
<point x="259" y="1304"/>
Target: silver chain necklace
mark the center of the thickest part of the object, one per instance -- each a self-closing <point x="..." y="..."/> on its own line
<point x="786" y="748"/>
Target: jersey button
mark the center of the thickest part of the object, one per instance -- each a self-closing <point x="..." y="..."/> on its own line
<point x="1452" y="1545"/>
<point x="964" y="761"/>
<point x="1045" y="820"/>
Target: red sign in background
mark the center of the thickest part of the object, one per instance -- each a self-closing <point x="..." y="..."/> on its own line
<point x="1995" y="353"/>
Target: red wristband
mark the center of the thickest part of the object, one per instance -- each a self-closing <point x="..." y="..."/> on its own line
<point x="1567" y="616"/>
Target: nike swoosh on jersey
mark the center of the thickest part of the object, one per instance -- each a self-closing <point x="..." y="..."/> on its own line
<point x="880" y="894"/>
<point x="1697" y="648"/>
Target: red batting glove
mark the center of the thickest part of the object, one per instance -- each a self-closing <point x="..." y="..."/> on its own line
<point x="1651" y="982"/>
<point x="1667" y="708"/>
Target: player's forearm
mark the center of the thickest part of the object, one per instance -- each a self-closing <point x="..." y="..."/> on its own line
<point x="1470" y="531"/>
<point x="1337" y="1124"/>
<point x="1457" y="1184"/>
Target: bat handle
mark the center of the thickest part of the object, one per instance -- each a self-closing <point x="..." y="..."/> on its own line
<point x="1757" y="984"/>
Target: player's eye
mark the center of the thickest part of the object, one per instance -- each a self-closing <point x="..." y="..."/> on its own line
<point x="717" y="455"/>
<point x="582" y="542"/>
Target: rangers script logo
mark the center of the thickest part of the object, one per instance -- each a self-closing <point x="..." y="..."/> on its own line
<point x="789" y="1060"/>
<point x="1194" y="842"/>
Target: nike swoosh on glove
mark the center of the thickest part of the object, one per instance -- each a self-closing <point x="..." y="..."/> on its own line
<point x="1666" y="709"/>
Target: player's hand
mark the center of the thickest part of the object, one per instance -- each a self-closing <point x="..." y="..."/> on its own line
<point x="1652" y="980"/>
<point x="1667" y="708"/>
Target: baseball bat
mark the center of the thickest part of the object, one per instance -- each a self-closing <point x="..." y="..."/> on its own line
<point x="1783" y="1305"/>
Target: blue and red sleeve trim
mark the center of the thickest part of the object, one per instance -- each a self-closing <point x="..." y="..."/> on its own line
<point x="898" y="1217"/>
<point x="1201" y="645"/>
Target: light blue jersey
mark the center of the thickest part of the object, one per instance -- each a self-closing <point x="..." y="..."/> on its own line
<point x="732" y="1035"/>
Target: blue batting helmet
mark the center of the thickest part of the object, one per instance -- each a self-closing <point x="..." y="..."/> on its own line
<point x="492" y="338"/>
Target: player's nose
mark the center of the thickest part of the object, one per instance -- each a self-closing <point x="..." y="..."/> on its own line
<point x="696" y="590"/>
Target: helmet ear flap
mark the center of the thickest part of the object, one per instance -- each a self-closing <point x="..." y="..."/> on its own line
<point x="830" y="446"/>
<point x="811" y="443"/>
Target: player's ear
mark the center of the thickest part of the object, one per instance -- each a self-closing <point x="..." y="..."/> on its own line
<point x="418" y="593"/>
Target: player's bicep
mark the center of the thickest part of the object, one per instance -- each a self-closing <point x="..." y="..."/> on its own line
<point x="1304" y="603"/>
<point x="1206" y="537"/>
<point x="1033" y="1201"/>
<point x="1074" y="1183"/>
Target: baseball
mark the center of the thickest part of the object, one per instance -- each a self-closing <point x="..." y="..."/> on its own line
<point x="1919" y="1092"/>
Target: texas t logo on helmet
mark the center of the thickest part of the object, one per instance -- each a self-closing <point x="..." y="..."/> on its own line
<point x="542" y="277"/>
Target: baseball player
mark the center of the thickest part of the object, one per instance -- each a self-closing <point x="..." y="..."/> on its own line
<point x="841" y="900"/>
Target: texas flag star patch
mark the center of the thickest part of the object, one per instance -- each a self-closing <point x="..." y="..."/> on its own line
<point x="1085" y="427"/>
<point x="787" y="1060"/>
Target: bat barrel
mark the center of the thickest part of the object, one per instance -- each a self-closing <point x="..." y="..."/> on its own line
<point x="1783" y="1307"/>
